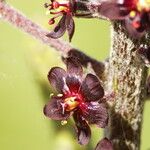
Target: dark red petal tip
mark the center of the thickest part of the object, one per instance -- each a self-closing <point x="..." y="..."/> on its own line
<point x="104" y="144"/>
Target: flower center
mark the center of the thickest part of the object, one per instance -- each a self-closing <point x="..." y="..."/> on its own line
<point x="71" y="103"/>
<point x="135" y="24"/>
<point x="132" y="14"/>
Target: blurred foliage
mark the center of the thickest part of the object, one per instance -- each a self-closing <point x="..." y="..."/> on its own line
<point x="24" y="64"/>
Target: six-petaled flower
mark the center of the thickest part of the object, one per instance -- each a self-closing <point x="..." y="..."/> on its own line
<point x="64" y="8"/>
<point x="134" y="13"/>
<point x="78" y="96"/>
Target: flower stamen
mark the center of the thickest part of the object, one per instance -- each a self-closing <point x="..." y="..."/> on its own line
<point x="132" y="14"/>
<point x="64" y="122"/>
<point x="57" y="8"/>
<point x="71" y="103"/>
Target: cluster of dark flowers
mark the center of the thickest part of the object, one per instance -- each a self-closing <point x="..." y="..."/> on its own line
<point x="79" y="96"/>
<point x="135" y="14"/>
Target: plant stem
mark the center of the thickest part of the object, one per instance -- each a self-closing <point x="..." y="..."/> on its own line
<point x="17" y="19"/>
<point x="127" y="77"/>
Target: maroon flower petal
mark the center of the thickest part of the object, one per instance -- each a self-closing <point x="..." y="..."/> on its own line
<point x="113" y="11"/>
<point x="56" y="78"/>
<point x="82" y="128"/>
<point x="96" y="114"/>
<point x="59" y="30"/>
<point x="70" y="26"/>
<point x="73" y="84"/>
<point x="73" y="66"/>
<point x="104" y="144"/>
<point x="54" y="109"/>
<point x="91" y="88"/>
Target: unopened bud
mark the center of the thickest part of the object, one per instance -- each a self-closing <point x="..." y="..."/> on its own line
<point x="51" y="21"/>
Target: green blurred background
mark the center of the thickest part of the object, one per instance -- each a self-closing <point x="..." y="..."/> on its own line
<point x="24" y="89"/>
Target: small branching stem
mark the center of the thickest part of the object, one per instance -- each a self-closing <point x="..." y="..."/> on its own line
<point x="17" y="19"/>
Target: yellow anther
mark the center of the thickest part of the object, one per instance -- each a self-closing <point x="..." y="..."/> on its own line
<point x="59" y="95"/>
<point x="71" y="99"/>
<point x="63" y="122"/>
<point x="132" y="14"/>
<point x="52" y="94"/>
<point x="47" y="12"/>
<point x="71" y="103"/>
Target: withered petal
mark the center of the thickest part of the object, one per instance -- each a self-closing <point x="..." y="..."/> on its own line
<point x="54" y="109"/>
<point x="104" y="144"/>
<point x="59" y="30"/>
<point x="96" y="114"/>
<point x="82" y="128"/>
<point x="70" y="25"/>
<point x="91" y="88"/>
<point x="56" y="78"/>
<point x="73" y="66"/>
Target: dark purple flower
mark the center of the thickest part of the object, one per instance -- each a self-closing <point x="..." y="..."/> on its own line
<point x="64" y="8"/>
<point x="78" y="96"/>
<point x="104" y="144"/>
<point x="134" y="13"/>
